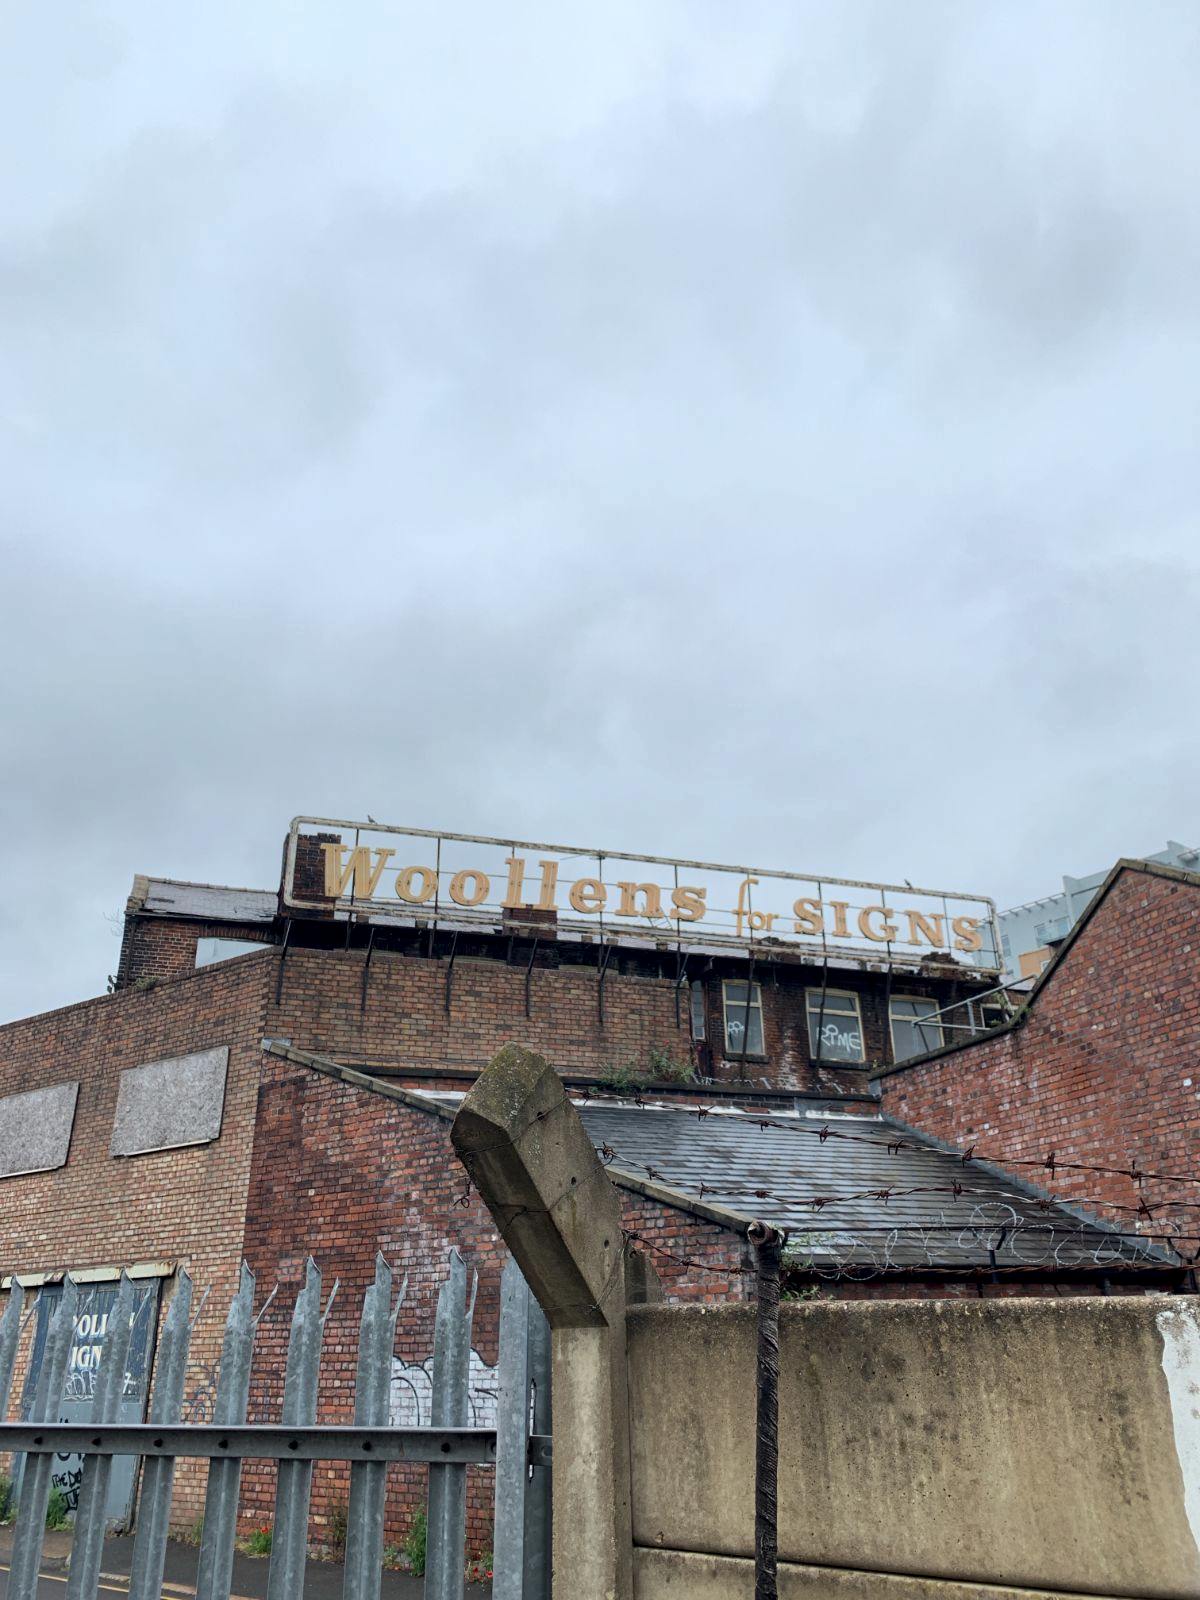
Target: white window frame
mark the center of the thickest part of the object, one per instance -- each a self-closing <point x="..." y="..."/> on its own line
<point x="812" y="1014"/>
<point x="697" y="1005"/>
<point x="915" y="1022"/>
<point x="734" y="1052"/>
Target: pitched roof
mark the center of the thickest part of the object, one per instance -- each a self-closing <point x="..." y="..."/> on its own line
<point x="209" y="902"/>
<point x="855" y="1192"/>
<point x="733" y="1167"/>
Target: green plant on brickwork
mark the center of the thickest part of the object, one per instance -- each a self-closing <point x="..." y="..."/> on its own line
<point x="193" y="1533"/>
<point x="621" y="1078"/>
<point x="415" y="1541"/>
<point x="336" y="1525"/>
<point x="6" y="1499"/>
<point x="56" y="1511"/>
<point x="145" y="983"/>
<point x="810" y="1291"/>
<point x="665" y="1066"/>
<point x="259" y="1542"/>
<point x="661" y="1067"/>
<point x="393" y="1556"/>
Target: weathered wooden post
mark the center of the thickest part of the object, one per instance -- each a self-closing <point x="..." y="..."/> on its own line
<point x="527" y="1153"/>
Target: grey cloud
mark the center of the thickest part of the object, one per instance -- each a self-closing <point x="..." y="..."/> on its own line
<point x="769" y="437"/>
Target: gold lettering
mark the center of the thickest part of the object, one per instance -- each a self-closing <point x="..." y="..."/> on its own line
<point x="969" y="936"/>
<point x="588" y="894"/>
<point x="516" y="877"/>
<point x="809" y="918"/>
<point x="840" y="929"/>
<point x="458" y="887"/>
<point x="887" y="927"/>
<point x="629" y="893"/>
<point x="357" y="869"/>
<point x="549" y="885"/>
<point x="404" y="884"/>
<point x="688" y="902"/>
<point x="740" y="910"/>
<point x="932" y="929"/>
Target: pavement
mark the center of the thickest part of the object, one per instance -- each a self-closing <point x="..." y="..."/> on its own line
<point x="323" y="1579"/>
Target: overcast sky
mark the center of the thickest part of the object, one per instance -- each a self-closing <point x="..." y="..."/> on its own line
<point x="763" y="432"/>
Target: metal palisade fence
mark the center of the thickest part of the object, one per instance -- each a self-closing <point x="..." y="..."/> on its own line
<point x="518" y="1446"/>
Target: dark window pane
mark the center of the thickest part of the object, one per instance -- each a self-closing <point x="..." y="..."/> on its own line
<point x="834" y="1038"/>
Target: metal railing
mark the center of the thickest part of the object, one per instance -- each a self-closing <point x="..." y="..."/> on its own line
<point x="518" y="1447"/>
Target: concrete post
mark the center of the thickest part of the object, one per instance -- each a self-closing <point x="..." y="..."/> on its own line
<point x="527" y="1153"/>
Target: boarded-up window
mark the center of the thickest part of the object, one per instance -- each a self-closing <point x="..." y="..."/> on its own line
<point x="35" y="1129"/>
<point x="170" y="1103"/>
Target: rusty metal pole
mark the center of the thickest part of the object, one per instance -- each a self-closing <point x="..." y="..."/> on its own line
<point x="768" y="1249"/>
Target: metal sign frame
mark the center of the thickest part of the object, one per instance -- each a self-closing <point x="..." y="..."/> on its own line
<point x="663" y="932"/>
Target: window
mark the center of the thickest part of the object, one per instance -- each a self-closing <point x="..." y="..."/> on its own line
<point x="743" y="1018"/>
<point x="993" y="1016"/>
<point x="209" y="951"/>
<point x="698" y="1024"/>
<point x="835" y="1026"/>
<point x="915" y="1028"/>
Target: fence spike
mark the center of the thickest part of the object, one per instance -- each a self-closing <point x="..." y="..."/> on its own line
<point x="10" y="1335"/>
<point x="35" y="1477"/>
<point x="372" y="1397"/>
<point x="289" y="1542"/>
<point x="158" y="1472"/>
<point x="87" y="1548"/>
<point x="536" y="1560"/>
<point x="214" y="1571"/>
<point x="444" y="1565"/>
<point x="522" y="1505"/>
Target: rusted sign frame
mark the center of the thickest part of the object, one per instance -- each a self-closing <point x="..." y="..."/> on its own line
<point x="653" y="936"/>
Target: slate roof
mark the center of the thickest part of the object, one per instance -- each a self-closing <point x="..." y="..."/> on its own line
<point x="772" y="1172"/>
<point x="166" y="897"/>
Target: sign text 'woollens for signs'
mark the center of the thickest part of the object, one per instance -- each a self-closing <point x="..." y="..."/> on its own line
<point x="376" y="871"/>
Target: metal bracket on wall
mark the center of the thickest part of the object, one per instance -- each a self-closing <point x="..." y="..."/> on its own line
<point x="283" y="950"/>
<point x="680" y="978"/>
<point x="362" y="1004"/>
<point x="529" y="977"/>
<point x="602" y="973"/>
<point x="450" y="968"/>
<point x="746" y="1013"/>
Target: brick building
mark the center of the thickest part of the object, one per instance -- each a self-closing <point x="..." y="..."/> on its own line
<point x="1101" y="1067"/>
<point x="273" y="1074"/>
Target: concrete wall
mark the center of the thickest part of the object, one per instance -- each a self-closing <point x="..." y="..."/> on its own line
<point x="928" y="1449"/>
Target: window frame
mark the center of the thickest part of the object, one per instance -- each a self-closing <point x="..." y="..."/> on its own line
<point x="812" y="1014"/>
<point x="735" y="1052"/>
<point x="915" y="1022"/>
<point x="698" y="1012"/>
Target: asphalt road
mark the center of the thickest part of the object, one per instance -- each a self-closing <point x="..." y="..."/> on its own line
<point x="53" y="1586"/>
<point x="323" y="1579"/>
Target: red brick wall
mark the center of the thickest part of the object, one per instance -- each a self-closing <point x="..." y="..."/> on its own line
<point x="1106" y="1068"/>
<point x="789" y="1063"/>
<point x="405" y="1018"/>
<point x="184" y="1206"/>
<point x="342" y="1173"/>
<point x="165" y="947"/>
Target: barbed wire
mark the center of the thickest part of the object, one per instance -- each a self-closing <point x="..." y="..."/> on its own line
<point x="994" y="1238"/>
<point x="884" y="1194"/>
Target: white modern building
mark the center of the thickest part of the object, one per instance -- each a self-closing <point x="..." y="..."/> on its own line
<point x="1030" y="934"/>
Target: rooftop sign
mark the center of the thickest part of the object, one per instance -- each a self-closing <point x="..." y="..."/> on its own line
<point x="415" y="875"/>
